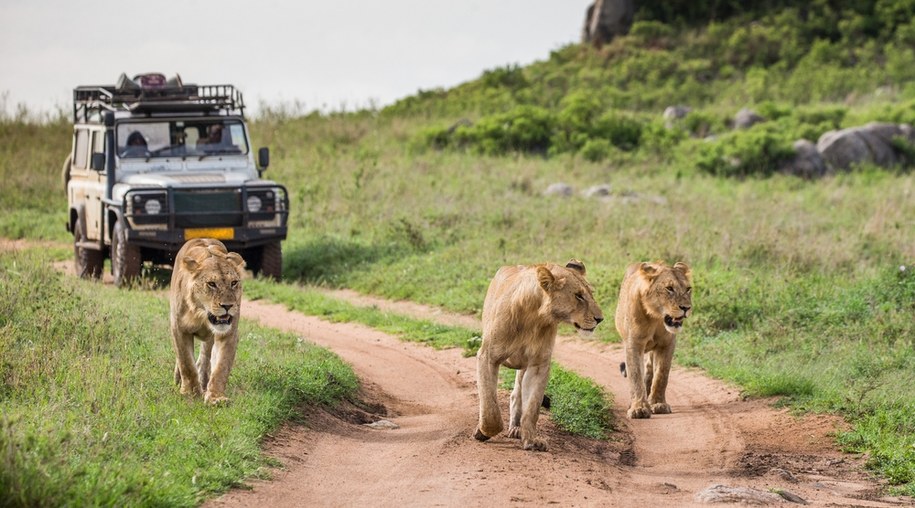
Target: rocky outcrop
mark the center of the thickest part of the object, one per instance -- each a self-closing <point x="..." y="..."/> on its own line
<point x="872" y="143"/>
<point x="605" y="19"/>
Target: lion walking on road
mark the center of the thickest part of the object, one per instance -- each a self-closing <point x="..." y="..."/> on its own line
<point x="521" y="314"/>
<point x="654" y="301"/>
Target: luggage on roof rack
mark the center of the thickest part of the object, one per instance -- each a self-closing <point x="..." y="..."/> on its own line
<point x="152" y="93"/>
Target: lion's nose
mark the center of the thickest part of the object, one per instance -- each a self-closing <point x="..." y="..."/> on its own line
<point x="598" y="319"/>
<point x="227" y="306"/>
<point x="685" y="308"/>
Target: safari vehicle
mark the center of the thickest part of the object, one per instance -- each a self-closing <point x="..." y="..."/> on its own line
<point x="156" y="162"/>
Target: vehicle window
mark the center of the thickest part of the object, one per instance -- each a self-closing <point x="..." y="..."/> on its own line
<point x="98" y="142"/>
<point x="144" y="139"/>
<point x="81" y="156"/>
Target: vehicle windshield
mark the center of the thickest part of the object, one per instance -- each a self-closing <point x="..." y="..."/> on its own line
<point x="181" y="138"/>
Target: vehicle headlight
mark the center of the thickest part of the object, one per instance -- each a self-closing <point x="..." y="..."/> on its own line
<point x="153" y="206"/>
<point x="254" y="203"/>
<point x="147" y="207"/>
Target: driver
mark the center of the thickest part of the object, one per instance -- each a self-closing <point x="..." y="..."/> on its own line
<point x="136" y="145"/>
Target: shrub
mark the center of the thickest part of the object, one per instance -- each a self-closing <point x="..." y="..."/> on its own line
<point x="754" y="152"/>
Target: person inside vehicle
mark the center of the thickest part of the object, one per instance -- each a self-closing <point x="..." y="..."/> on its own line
<point x="136" y="145"/>
<point x="213" y="139"/>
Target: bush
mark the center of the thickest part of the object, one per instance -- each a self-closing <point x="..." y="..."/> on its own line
<point x="759" y="151"/>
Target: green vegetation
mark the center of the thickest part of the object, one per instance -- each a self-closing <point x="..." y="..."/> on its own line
<point x="578" y="405"/>
<point x="90" y="414"/>
<point x="798" y="290"/>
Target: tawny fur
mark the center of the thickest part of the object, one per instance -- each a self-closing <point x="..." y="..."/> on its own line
<point x="205" y="302"/>
<point x="521" y="313"/>
<point x="654" y="301"/>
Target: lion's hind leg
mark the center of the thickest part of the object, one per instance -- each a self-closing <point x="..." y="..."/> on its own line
<point x="514" y="420"/>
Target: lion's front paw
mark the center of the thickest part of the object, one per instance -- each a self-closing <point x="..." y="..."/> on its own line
<point x="514" y="432"/>
<point x="660" y="408"/>
<point x="190" y="389"/>
<point x="536" y="445"/>
<point x="639" y="411"/>
<point x="479" y="436"/>
<point x="216" y="400"/>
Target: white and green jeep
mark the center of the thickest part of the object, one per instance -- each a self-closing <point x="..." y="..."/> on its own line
<point x="156" y="162"/>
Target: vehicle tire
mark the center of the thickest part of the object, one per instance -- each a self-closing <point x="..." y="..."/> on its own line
<point x="88" y="263"/>
<point x="271" y="261"/>
<point x="125" y="258"/>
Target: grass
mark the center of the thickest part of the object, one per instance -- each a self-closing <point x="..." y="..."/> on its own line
<point x="798" y="291"/>
<point x="90" y="415"/>
<point x="578" y="406"/>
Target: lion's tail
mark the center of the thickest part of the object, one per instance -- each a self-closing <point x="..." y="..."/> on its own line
<point x="623" y="368"/>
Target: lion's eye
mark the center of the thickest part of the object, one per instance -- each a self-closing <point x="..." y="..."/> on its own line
<point x="689" y="290"/>
<point x="579" y="297"/>
<point x="670" y="289"/>
<point x="234" y="284"/>
<point x="211" y="285"/>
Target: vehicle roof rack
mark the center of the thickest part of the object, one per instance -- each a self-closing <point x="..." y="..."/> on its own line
<point x="152" y="93"/>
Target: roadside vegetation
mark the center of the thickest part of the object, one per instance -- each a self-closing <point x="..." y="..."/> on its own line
<point x="799" y="285"/>
<point x="90" y="416"/>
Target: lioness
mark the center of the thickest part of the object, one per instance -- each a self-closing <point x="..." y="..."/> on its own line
<point x="654" y="301"/>
<point x="522" y="310"/>
<point x="205" y="300"/>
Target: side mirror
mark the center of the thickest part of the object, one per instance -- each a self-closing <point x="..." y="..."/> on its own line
<point x="263" y="158"/>
<point x="98" y="161"/>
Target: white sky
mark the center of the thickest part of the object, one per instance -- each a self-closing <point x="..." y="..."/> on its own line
<point x="332" y="54"/>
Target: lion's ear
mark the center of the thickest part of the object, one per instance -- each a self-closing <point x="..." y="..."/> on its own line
<point x="576" y="265"/>
<point x="683" y="267"/>
<point x="648" y="270"/>
<point x="235" y="258"/>
<point x="190" y="264"/>
<point x="545" y="278"/>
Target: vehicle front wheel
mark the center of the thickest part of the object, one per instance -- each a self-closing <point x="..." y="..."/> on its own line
<point x="87" y="262"/>
<point x="125" y="258"/>
<point x="271" y="261"/>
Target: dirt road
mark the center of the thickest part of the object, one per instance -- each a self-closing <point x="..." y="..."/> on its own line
<point x="746" y="448"/>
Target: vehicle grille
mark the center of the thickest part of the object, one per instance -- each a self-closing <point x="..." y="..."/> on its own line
<point x="208" y="209"/>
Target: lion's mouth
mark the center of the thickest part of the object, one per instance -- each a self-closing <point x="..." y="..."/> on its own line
<point x="223" y="320"/>
<point x="673" y="322"/>
<point x="579" y="327"/>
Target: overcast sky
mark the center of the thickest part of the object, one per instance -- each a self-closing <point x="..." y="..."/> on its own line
<point x="331" y="54"/>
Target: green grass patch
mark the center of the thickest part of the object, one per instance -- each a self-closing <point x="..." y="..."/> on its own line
<point x="90" y="414"/>
<point x="579" y="406"/>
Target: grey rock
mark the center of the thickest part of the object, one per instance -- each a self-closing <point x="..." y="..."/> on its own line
<point x="807" y="162"/>
<point x="382" y="425"/>
<point x="559" y="189"/>
<point x="746" y="118"/>
<point x="744" y="495"/>
<point x="597" y="191"/>
<point x="871" y="143"/>
<point x="605" y="19"/>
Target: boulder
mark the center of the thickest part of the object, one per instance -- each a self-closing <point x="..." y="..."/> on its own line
<point x="871" y="143"/>
<point x="807" y="162"/>
<point x="746" y="118"/>
<point x="674" y="113"/>
<point x="605" y="19"/>
<point x="559" y="189"/>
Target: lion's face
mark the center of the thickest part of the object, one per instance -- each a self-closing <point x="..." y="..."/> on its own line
<point x="217" y="287"/>
<point x="670" y="294"/>
<point x="571" y="296"/>
<point x="217" y="290"/>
